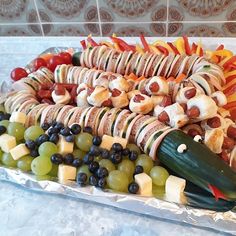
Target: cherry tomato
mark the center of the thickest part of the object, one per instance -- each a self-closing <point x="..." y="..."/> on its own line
<point x="18" y="73"/>
<point x="39" y="62"/>
<point x="44" y="94"/>
<point x="59" y="90"/>
<point x="66" y="57"/>
<point x="54" y="62"/>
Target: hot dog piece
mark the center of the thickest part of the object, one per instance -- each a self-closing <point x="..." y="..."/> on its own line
<point x="119" y="99"/>
<point x="214" y="122"/>
<point x="163" y="117"/>
<point x="166" y="101"/>
<point x="231" y="132"/>
<point x="228" y="143"/>
<point x="190" y="93"/>
<point x="225" y="157"/>
<point x="193" y="112"/>
<point x="193" y="132"/>
<point x="186" y="93"/>
<point x="157" y="86"/>
<point x="141" y="103"/>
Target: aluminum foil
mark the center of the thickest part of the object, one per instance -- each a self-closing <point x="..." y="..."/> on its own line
<point x="150" y="206"/>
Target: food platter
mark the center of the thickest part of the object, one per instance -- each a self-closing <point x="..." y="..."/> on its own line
<point x="161" y="207"/>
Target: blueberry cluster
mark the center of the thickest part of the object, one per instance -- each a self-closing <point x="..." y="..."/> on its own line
<point x="68" y="159"/>
<point x="4" y="116"/>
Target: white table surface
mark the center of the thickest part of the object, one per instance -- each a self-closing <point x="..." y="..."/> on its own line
<point x="25" y="212"/>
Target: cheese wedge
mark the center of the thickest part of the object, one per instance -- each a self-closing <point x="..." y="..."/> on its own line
<point x="108" y="141"/>
<point x="145" y="184"/>
<point x="66" y="173"/>
<point x="7" y="142"/>
<point x="19" y="117"/>
<point x="19" y="151"/>
<point x="64" y="147"/>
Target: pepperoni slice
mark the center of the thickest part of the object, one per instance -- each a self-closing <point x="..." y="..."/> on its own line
<point x="190" y="93"/>
<point x="115" y="92"/>
<point x="193" y="112"/>
<point x="231" y="132"/>
<point x="107" y="103"/>
<point x="214" y="122"/>
<point x="138" y="98"/>
<point x="228" y="143"/>
<point x="59" y="90"/>
<point x="193" y="132"/>
<point x="163" y="117"/>
<point x="90" y="90"/>
<point x="166" y="101"/>
<point x="154" y="87"/>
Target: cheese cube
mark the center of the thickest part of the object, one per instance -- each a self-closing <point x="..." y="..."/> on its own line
<point x="145" y="184"/>
<point x="108" y="141"/>
<point x="66" y="173"/>
<point x="7" y="142"/>
<point x="19" y="117"/>
<point x="65" y="147"/>
<point x="19" y="151"/>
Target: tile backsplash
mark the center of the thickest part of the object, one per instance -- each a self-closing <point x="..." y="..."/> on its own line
<point x="124" y="17"/>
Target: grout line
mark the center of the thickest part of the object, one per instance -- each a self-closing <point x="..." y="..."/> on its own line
<point x="40" y="23"/>
<point x="167" y="16"/>
<point x="99" y="18"/>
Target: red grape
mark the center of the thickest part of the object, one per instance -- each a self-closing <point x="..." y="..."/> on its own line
<point x="39" y="62"/>
<point x="67" y="58"/>
<point x="54" y="62"/>
<point x="18" y="73"/>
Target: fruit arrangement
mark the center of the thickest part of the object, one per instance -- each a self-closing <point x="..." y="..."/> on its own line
<point x="125" y="117"/>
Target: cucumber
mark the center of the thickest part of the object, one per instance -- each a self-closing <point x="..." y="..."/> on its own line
<point x="76" y="59"/>
<point x="197" y="164"/>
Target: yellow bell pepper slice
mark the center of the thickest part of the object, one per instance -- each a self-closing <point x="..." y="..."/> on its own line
<point x="232" y="82"/>
<point x="139" y="48"/>
<point x="223" y="53"/>
<point x="231" y="98"/>
<point x="108" y="44"/>
<point x="179" y="43"/>
<point x="163" y="44"/>
<point x="154" y="49"/>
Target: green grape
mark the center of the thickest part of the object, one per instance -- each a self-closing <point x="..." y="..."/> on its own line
<point x="47" y="149"/>
<point x="24" y="163"/>
<point x="145" y="161"/>
<point x="98" y="158"/>
<point x="158" y="191"/>
<point x="33" y="132"/>
<point x="133" y="147"/>
<point x="159" y="175"/>
<point x="42" y="177"/>
<point x="2" y="108"/>
<point x="85" y="169"/>
<point x="1" y="154"/>
<point x="5" y="123"/>
<point x="118" y="180"/>
<point x="127" y="166"/>
<point x="107" y="164"/>
<point x="41" y="165"/>
<point x="54" y="171"/>
<point x="84" y="141"/>
<point x="8" y="160"/>
<point x="79" y="154"/>
<point x="17" y="130"/>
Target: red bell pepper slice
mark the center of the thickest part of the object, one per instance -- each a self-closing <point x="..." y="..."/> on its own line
<point x="175" y="50"/>
<point x="233" y="114"/>
<point x="230" y="105"/>
<point x="67" y="86"/>
<point x="229" y="78"/>
<point x="229" y="62"/>
<point x="123" y="44"/>
<point x="194" y="47"/>
<point x="231" y="90"/>
<point x="83" y="44"/>
<point x="145" y="44"/>
<point x="163" y="50"/>
<point x="221" y="47"/>
<point x="186" y="45"/>
<point x="201" y="52"/>
<point x="92" y="42"/>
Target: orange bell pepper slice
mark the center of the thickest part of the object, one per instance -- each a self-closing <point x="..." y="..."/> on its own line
<point x="180" y="77"/>
<point x="144" y="42"/>
<point x="186" y="45"/>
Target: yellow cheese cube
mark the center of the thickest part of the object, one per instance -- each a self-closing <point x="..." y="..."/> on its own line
<point x="66" y="173"/>
<point x="108" y="141"/>
<point x="7" y="142"/>
<point x="65" y="147"/>
<point x="145" y="184"/>
<point x="175" y="186"/>
<point x="19" y="151"/>
<point x="19" y="117"/>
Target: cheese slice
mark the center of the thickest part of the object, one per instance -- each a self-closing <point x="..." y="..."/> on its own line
<point x="7" y="142"/>
<point x="145" y="184"/>
<point x="19" y="117"/>
<point x="64" y="147"/>
<point x="66" y="173"/>
<point x="108" y="141"/>
<point x="19" y="151"/>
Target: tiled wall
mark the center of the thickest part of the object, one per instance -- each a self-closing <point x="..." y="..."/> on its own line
<point x="124" y="17"/>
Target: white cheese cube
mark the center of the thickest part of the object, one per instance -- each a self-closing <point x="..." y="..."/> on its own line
<point x="66" y="173"/>
<point x="145" y="184"/>
<point x="19" y="151"/>
<point x="108" y="141"/>
<point x="19" y="117"/>
<point x="7" y="142"/>
<point x="174" y="188"/>
<point x="65" y="147"/>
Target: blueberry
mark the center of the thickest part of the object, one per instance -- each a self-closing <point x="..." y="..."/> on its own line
<point x="88" y="159"/>
<point x="77" y="162"/>
<point x="133" y="188"/>
<point x="54" y="138"/>
<point x="125" y="152"/>
<point x="42" y="139"/>
<point x="133" y="155"/>
<point x="102" y="172"/>
<point x="88" y="129"/>
<point x="7" y="116"/>
<point x="65" y="131"/>
<point x="105" y="154"/>
<point x="70" y="138"/>
<point x="53" y="123"/>
<point x="81" y="178"/>
<point x="34" y="153"/>
<point x="45" y="126"/>
<point x="30" y="144"/>
<point x="93" y="166"/>
<point x="116" y="158"/>
<point x="2" y="129"/>
<point x="53" y="130"/>
<point x="97" y="140"/>
<point x="93" y="180"/>
<point x="2" y="116"/>
<point x="57" y="159"/>
<point x="94" y="151"/>
<point x="75" y="129"/>
<point x="59" y="125"/>
<point x="68" y="159"/>
<point x="138" y="170"/>
<point x="102" y="183"/>
<point x="117" y="147"/>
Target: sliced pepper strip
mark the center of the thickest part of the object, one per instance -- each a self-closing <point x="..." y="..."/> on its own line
<point x="163" y="50"/>
<point x="132" y="76"/>
<point x="230" y="105"/>
<point x="144" y="42"/>
<point x="220" y="47"/>
<point x="139" y="49"/>
<point x="180" y="77"/>
<point x="179" y="43"/>
<point x="175" y="50"/>
<point x="223" y="53"/>
<point x="123" y="44"/>
<point x="92" y="42"/>
<point x="163" y="44"/>
<point x="186" y="45"/>
<point x="83" y="44"/>
<point x="229" y="62"/>
<point x="194" y="47"/>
